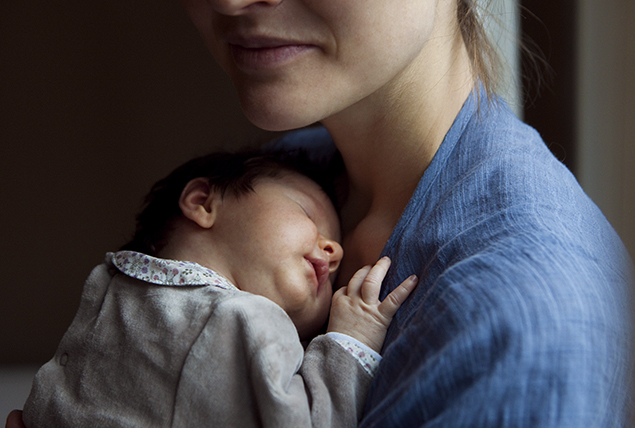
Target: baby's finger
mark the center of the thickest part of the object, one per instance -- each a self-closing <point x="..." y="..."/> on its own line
<point x="356" y="281"/>
<point x="341" y="292"/>
<point x="393" y="301"/>
<point x="372" y="283"/>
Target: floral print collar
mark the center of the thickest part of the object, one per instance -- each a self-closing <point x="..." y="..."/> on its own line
<point x="172" y="273"/>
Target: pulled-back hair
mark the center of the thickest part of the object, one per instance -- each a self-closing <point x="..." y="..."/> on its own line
<point x="236" y="173"/>
<point x="482" y="53"/>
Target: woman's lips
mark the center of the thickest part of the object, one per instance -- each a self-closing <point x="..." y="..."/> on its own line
<point x="266" y="55"/>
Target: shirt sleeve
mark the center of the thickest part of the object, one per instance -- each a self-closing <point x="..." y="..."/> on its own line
<point x="248" y="368"/>
<point x="367" y="357"/>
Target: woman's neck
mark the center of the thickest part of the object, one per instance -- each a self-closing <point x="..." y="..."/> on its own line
<point x="388" y="140"/>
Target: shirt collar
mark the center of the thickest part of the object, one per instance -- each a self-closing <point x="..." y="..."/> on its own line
<point x="166" y="272"/>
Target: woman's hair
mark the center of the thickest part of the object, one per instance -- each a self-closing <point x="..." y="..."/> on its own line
<point x="235" y="173"/>
<point x="483" y="55"/>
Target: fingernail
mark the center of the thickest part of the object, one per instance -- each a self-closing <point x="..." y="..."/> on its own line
<point x="413" y="278"/>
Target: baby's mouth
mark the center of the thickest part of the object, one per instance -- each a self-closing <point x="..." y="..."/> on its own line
<point x="321" y="269"/>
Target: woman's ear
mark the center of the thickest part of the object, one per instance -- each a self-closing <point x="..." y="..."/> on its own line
<point x="199" y="202"/>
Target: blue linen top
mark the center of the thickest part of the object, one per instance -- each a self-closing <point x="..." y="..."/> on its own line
<point x="522" y="314"/>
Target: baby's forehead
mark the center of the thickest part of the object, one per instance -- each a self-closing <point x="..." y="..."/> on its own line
<point x="296" y="181"/>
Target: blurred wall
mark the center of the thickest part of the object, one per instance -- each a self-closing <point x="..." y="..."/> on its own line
<point x="606" y="110"/>
<point x="97" y="102"/>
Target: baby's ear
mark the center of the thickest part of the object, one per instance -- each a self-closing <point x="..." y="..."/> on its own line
<point x="199" y="202"/>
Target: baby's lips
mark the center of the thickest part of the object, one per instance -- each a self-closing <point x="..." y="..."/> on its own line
<point x="321" y="268"/>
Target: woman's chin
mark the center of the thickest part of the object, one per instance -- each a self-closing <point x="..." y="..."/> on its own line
<point x="279" y="107"/>
<point x="278" y="120"/>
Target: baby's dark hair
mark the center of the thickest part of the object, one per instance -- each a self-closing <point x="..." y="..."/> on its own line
<point x="235" y="173"/>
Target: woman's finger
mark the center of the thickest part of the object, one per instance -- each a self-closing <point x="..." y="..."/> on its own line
<point x="393" y="301"/>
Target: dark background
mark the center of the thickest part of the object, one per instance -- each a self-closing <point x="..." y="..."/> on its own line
<point x="548" y="67"/>
<point x="98" y="100"/>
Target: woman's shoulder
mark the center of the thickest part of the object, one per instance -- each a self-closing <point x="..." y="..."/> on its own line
<point x="494" y="129"/>
<point x="497" y="188"/>
<point x="492" y="152"/>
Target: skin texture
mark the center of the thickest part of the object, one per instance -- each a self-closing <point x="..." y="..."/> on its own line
<point x="296" y="62"/>
<point x="386" y="78"/>
<point x="357" y="310"/>
<point x="279" y="241"/>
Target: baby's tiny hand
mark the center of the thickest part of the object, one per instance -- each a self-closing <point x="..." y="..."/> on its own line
<point x="357" y="311"/>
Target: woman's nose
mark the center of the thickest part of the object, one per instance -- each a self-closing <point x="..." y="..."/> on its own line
<point x="240" y="7"/>
<point x="334" y="252"/>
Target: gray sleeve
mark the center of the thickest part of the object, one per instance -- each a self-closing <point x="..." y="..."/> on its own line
<point x="248" y="368"/>
<point x="337" y="383"/>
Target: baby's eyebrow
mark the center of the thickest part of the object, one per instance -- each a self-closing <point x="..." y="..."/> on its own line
<point x="306" y="211"/>
<point x="302" y="198"/>
<point x="316" y="209"/>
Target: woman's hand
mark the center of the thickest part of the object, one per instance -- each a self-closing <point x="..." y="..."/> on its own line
<point x="357" y="311"/>
<point x="14" y="420"/>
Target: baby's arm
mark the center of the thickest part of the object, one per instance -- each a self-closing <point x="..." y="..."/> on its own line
<point x="356" y="310"/>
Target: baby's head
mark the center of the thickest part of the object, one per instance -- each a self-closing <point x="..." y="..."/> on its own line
<point x="262" y="221"/>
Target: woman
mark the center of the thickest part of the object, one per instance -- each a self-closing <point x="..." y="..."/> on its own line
<point x="521" y="315"/>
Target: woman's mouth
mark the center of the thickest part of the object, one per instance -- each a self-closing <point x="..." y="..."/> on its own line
<point x="266" y="54"/>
